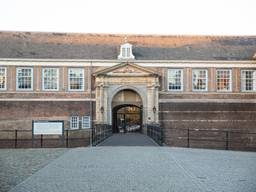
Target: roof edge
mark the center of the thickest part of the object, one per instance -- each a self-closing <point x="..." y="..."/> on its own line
<point x="127" y="34"/>
<point x="117" y="60"/>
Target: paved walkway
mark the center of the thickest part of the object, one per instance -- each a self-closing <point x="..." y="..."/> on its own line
<point x="129" y="139"/>
<point x="16" y="165"/>
<point x="145" y="169"/>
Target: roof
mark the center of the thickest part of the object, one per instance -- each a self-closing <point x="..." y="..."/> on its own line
<point x="106" y="46"/>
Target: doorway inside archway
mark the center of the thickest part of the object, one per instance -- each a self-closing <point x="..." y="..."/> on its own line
<point x="127" y="118"/>
<point x="127" y="112"/>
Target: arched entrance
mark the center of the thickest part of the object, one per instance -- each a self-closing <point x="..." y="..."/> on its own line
<point x="127" y="112"/>
<point x="127" y="118"/>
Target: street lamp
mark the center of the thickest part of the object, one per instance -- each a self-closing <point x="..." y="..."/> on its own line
<point x="154" y="109"/>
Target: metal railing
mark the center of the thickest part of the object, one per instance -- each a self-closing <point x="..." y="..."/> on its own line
<point x="100" y="133"/>
<point x="194" y="138"/>
<point x="211" y="138"/>
<point x="156" y="133"/>
<point x="26" y="139"/>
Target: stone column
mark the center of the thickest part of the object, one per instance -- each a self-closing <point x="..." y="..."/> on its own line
<point x="153" y="102"/>
<point x="157" y="103"/>
<point x="98" y="103"/>
<point x="101" y="109"/>
<point x="150" y="104"/>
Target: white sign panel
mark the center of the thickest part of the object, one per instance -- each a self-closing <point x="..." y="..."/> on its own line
<point x="48" y="128"/>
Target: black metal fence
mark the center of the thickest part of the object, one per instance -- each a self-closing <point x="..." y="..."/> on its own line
<point x="213" y="138"/>
<point x="26" y="139"/>
<point x="100" y="133"/>
<point x="194" y="138"/>
<point x="156" y="133"/>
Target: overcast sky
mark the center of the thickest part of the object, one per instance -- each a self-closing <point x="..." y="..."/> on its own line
<point x="211" y="17"/>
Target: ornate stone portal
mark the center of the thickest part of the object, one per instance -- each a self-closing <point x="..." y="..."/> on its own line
<point x="126" y="76"/>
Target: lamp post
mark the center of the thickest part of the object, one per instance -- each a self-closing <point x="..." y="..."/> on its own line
<point x="154" y="109"/>
<point x="102" y="109"/>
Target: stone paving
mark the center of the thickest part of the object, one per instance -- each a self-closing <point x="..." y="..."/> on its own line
<point x="129" y="139"/>
<point x="18" y="164"/>
<point x="145" y="169"/>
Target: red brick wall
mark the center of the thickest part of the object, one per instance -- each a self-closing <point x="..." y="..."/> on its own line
<point x="19" y="114"/>
<point x="215" y="119"/>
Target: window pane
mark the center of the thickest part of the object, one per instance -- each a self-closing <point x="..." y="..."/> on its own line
<point x="248" y="80"/>
<point x="86" y="122"/>
<point x="2" y="78"/>
<point x="50" y="79"/>
<point x="76" y="79"/>
<point x="223" y="78"/>
<point x="123" y="52"/>
<point x="74" y="122"/>
<point x="175" y="79"/>
<point x="128" y="52"/>
<point x="199" y="79"/>
<point x="24" y="78"/>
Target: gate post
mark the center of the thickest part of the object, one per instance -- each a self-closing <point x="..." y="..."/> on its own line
<point x="67" y="138"/>
<point x="188" y="139"/>
<point x="227" y="141"/>
<point x="16" y="134"/>
<point x="41" y="140"/>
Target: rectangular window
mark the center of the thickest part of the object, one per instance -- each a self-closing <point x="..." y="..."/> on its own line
<point x="248" y="80"/>
<point x="76" y="79"/>
<point x="123" y="52"/>
<point x="24" y="78"/>
<point x="86" y="122"/>
<point x="3" y="73"/>
<point x="51" y="79"/>
<point x="74" y="122"/>
<point x="224" y="80"/>
<point x="199" y="79"/>
<point x="128" y="52"/>
<point x="175" y="79"/>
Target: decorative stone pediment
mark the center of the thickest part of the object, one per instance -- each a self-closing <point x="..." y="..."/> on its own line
<point x="112" y="81"/>
<point x="126" y="69"/>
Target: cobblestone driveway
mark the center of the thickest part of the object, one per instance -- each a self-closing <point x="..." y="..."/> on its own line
<point x="145" y="169"/>
<point x="18" y="164"/>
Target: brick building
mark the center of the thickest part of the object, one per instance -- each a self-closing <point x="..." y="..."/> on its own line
<point x="180" y="82"/>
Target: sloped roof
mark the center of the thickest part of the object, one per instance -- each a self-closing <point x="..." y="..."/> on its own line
<point x="106" y="46"/>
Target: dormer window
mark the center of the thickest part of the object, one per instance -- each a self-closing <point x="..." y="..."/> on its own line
<point x="126" y="51"/>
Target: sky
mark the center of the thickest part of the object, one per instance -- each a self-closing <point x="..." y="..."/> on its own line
<point x="166" y="17"/>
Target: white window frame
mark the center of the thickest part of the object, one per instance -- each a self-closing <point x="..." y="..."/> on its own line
<point x="244" y="79"/>
<point x="206" y="80"/>
<point x="86" y="125"/>
<point x="230" y="80"/>
<point x="181" y="79"/>
<point x="72" y="118"/>
<point x="5" y="78"/>
<point x="17" y="79"/>
<point x="126" y="51"/>
<point x="43" y="79"/>
<point x="69" y="70"/>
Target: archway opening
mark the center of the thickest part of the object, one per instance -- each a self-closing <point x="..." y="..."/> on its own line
<point x="127" y="112"/>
